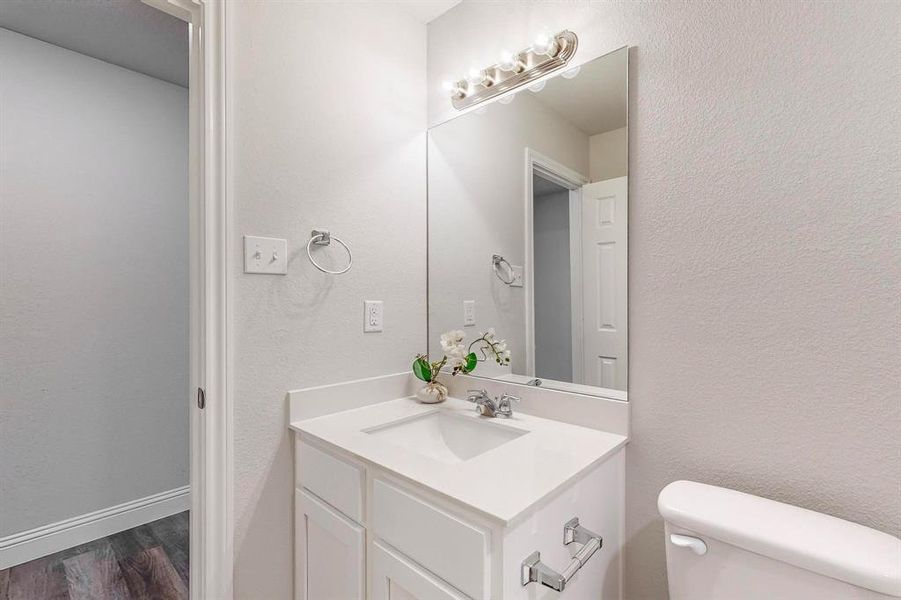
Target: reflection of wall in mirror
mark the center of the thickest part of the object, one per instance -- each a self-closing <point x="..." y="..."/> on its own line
<point x="608" y="154"/>
<point x="476" y="209"/>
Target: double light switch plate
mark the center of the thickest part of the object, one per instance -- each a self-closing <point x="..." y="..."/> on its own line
<point x="265" y="255"/>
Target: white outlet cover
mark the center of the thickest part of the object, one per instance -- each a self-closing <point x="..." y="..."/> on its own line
<point x="373" y="315"/>
<point x="265" y="255"/>
<point x="469" y="312"/>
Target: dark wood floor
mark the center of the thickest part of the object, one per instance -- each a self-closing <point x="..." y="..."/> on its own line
<point x="149" y="562"/>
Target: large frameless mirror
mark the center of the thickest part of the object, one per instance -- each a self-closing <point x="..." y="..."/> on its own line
<point x="528" y="208"/>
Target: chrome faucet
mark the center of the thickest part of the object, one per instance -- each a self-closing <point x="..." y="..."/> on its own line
<point x="505" y="405"/>
<point x="487" y="407"/>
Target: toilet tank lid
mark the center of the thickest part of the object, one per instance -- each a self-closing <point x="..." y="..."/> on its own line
<point x="810" y="540"/>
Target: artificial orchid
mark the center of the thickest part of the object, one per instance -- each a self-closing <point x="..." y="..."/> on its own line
<point x="462" y="358"/>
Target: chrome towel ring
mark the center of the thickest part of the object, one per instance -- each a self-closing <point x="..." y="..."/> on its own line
<point x="322" y="237"/>
<point x="496" y="260"/>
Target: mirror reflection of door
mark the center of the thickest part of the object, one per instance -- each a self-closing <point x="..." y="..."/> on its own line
<point x="579" y="290"/>
<point x="604" y="283"/>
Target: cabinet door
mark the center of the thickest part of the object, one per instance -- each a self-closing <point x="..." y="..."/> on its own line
<point x="330" y="552"/>
<point x="395" y="577"/>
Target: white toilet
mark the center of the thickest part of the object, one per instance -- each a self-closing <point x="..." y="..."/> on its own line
<point x="727" y="545"/>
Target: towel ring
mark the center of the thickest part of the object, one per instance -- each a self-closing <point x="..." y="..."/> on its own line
<point x="322" y="237"/>
<point x="496" y="260"/>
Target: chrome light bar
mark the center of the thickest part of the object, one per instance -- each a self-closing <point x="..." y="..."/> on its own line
<point x="546" y="55"/>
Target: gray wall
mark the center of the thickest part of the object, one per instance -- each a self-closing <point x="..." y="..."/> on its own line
<point x="764" y="237"/>
<point x="553" y="287"/>
<point x="94" y="295"/>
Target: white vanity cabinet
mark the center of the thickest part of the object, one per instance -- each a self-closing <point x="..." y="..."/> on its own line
<point x="396" y="577"/>
<point x="333" y="550"/>
<point x="364" y="532"/>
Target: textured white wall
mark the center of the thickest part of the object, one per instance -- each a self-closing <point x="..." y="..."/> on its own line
<point x="608" y="154"/>
<point x="765" y="140"/>
<point x="329" y="123"/>
<point x="477" y="209"/>
<point x="94" y="295"/>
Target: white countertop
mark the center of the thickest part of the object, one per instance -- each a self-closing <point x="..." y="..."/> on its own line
<point x="502" y="483"/>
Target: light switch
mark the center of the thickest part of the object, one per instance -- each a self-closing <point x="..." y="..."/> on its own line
<point x="373" y="315"/>
<point x="265" y="255"/>
<point x="469" y="312"/>
<point x="517" y="276"/>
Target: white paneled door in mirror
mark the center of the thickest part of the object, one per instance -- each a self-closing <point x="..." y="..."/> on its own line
<point x="528" y="224"/>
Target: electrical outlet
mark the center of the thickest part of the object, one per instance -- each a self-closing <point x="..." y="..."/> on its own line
<point x="469" y="312"/>
<point x="373" y="315"/>
<point x="517" y="276"/>
<point x="265" y="255"/>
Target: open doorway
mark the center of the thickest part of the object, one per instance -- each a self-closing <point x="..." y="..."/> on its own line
<point x="556" y="279"/>
<point x="576" y="277"/>
<point x="96" y="298"/>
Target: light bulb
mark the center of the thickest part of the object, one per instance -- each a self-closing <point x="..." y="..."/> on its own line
<point x="476" y="76"/>
<point x="453" y="89"/>
<point x="537" y="87"/>
<point x="510" y="62"/>
<point x="571" y="73"/>
<point x="545" y="44"/>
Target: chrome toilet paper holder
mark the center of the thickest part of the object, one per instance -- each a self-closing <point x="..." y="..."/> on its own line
<point x="535" y="571"/>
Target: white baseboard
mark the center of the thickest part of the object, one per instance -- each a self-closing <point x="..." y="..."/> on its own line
<point x="22" y="547"/>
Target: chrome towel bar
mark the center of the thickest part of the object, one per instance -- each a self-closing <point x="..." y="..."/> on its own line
<point x="533" y="570"/>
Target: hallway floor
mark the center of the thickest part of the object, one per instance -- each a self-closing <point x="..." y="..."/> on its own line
<point x="150" y="561"/>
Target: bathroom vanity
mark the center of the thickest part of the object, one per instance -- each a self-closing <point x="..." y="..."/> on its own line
<point x="527" y="237"/>
<point x="399" y="500"/>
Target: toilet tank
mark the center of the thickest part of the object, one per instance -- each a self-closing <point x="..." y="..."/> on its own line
<point x="727" y="545"/>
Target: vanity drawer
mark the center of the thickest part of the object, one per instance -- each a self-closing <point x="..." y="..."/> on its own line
<point x="335" y="480"/>
<point x="456" y="551"/>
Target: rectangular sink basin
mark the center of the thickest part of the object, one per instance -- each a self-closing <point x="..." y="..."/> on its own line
<point x="445" y="436"/>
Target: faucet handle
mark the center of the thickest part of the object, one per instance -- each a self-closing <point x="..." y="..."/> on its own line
<point x="473" y="395"/>
<point x="505" y="405"/>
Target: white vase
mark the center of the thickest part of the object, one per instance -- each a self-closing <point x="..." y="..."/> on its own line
<point x="432" y="393"/>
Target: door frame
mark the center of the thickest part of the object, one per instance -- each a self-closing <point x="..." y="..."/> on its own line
<point x="210" y="217"/>
<point x="537" y="163"/>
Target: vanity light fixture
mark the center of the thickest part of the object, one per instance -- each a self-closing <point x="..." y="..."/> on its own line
<point x="547" y="54"/>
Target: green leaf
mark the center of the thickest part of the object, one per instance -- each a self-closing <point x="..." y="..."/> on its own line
<point x="471" y="362"/>
<point x="422" y="370"/>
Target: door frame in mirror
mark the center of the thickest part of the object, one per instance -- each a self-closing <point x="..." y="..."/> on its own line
<point x="539" y="164"/>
